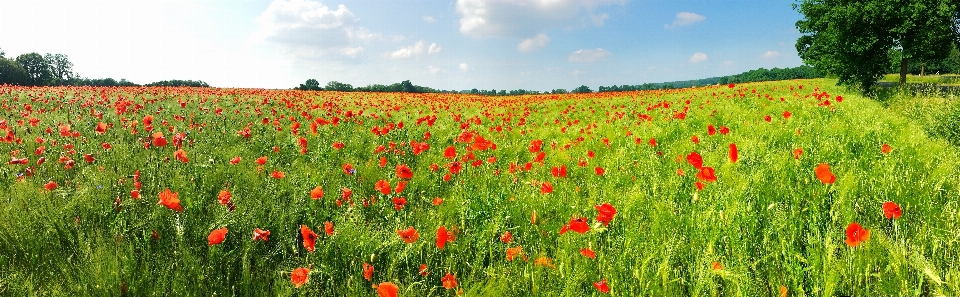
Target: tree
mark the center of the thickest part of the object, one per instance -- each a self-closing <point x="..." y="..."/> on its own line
<point x="407" y="87"/>
<point x="2" y="54"/>
<point x="12" y="73"/>
<point x="61" y="69"/>
<point x="37" y="68"/>
<point x="853" y="39"/>
<point x="338" y="86"/>
<point x="582" y="89"/>
<point x="310" y="85"/>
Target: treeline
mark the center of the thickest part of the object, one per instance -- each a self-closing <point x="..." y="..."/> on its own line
<point x="33" y="69"/>
<point x="756" y="75"/>
<point x="408" y="87"/>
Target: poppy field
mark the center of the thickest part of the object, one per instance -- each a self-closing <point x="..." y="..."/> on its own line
<point x="786" y="188"/>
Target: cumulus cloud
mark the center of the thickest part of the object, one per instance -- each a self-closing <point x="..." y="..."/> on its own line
<point x="309" y="28"/>
<point x="534" y="43"/>
<point x="771" y="54"/>
<point x="464" y="67"/>
<point x="685" y="18"/>
<point x="417" y="49"/>
<point x="485" y="18"/>
<point x="698" y="57"/>
<point x="434" y="69"/>
<point x="429" y="19"/>
<point x="589" y="55"/>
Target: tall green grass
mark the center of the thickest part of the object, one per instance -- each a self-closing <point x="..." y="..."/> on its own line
<point x="767" y="220"/>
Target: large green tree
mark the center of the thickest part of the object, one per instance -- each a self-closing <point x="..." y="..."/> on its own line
<point x="37" y="68"/>
<point x="61" y="69"/>
<point x="852" y="39"/>
<point x="12" y="73"/>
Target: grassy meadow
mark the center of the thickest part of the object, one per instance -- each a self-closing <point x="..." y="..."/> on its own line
<point x="762" y="223"/>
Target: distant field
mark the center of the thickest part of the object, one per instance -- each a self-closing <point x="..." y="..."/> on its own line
<point x="762" y="189"/>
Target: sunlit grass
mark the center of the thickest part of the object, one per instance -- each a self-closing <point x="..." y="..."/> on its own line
<point x="767" y="220"/>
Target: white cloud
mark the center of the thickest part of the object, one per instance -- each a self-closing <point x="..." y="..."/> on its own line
<point x="416" y="49"/>
<point x="351" y="52"/>
<point x="589" y="55"/>
<point x="485" y="18"/>
<point x="771" y="54"/>
<point x="308" y="28"/>
<point x="598" y="19"/>
<point x="464" y="67"/>
<point x="534" y="43"/>
<point x="434" y="48"/>
<point x="698" y="57"/>
<point x="429" y="19"/>
<point x="685" y="18"/>
<point x="434" y="69"/>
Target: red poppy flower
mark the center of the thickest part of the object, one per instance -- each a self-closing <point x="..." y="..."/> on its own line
<point x="159" y="140"/>
<point x="404" y="172"/>
<point x="367" y="271"/>
<point x="546" y="188"/>
<point x="423" y="270"/>
<point x="387" y="289"/>
<point x="455" y="167"/>
<point x="786" y="115"/>
<point x="338" y="145"/>
<point x="767" y="118"/>
<point x="711" y="130"/>
<point x="399" y="202"/>
<point x="891" y="210"/>
<point x="299" y="276"/>
<point x="277" y="174"/>
<point x="715" y="266"/>
<point x="259" y="234"/>
<point x="316" y="193"/>
<point x="449" y="281"/>
<point x="181" y="156"/>
<point x="856" y="234"/>
<point x="886" y="148"/>
<point x="50" y="185"/>
<point x="823" y="173"/>
<point x="695" y="139"/>
<point x="383" y="186"/>
<point x="217" y="236"/>
<point x="409" y="235"/>
<point x="559" y="171"/>
<point x="724" y="130"/>
<point x="605" y="213"/>
<point x="513" y="252"/>
<point x="328" y="228"/>
<point x="797" y="152"/>
<point x="261" y="160"/>
<point x="695" y="160"/>
<point x="602" y="285"/>
<point x="437" y="201"/>
<point x="653" y="142"/>
<point x="506" y="237"/>
<point x="170" y="200"/>
<point x="599" y="170"/>
<point x="224" y="196"/>
<point x="345" y="193"/>
<point x="699" y="186"/>
<point x="309" y="238"/>
<point x="235" y="161"/>
<point x="450" y="152"/>
<point x="733" y="153"/>
<point x="578" y="225"/>
<point x="587" y="252"/>
<point x="535" y="146"/>
<point x="706" y="174"/>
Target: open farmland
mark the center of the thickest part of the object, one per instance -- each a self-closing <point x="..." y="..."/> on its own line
<point x="732" y="190"/>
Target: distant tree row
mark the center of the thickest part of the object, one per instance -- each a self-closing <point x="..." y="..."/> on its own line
<point x="33" y="69"/>
<point x="756" y="75"/>
<point x="400" y="87"/>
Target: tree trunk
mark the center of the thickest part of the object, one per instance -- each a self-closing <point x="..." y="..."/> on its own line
<point x="903" y="70"/>
<point x="921" y="68"/>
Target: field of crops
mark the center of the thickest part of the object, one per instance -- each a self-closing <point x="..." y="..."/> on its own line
<point x="768" y="189"/>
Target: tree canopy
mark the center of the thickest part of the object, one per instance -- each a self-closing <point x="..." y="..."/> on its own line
<point x="854" y="40"/>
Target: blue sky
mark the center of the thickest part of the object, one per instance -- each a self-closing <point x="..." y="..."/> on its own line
<point x="455" y="45"/>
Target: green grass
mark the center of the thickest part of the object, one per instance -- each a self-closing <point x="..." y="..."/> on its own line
<point x="767" y="219"/>
<point x="944" y="79"/>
